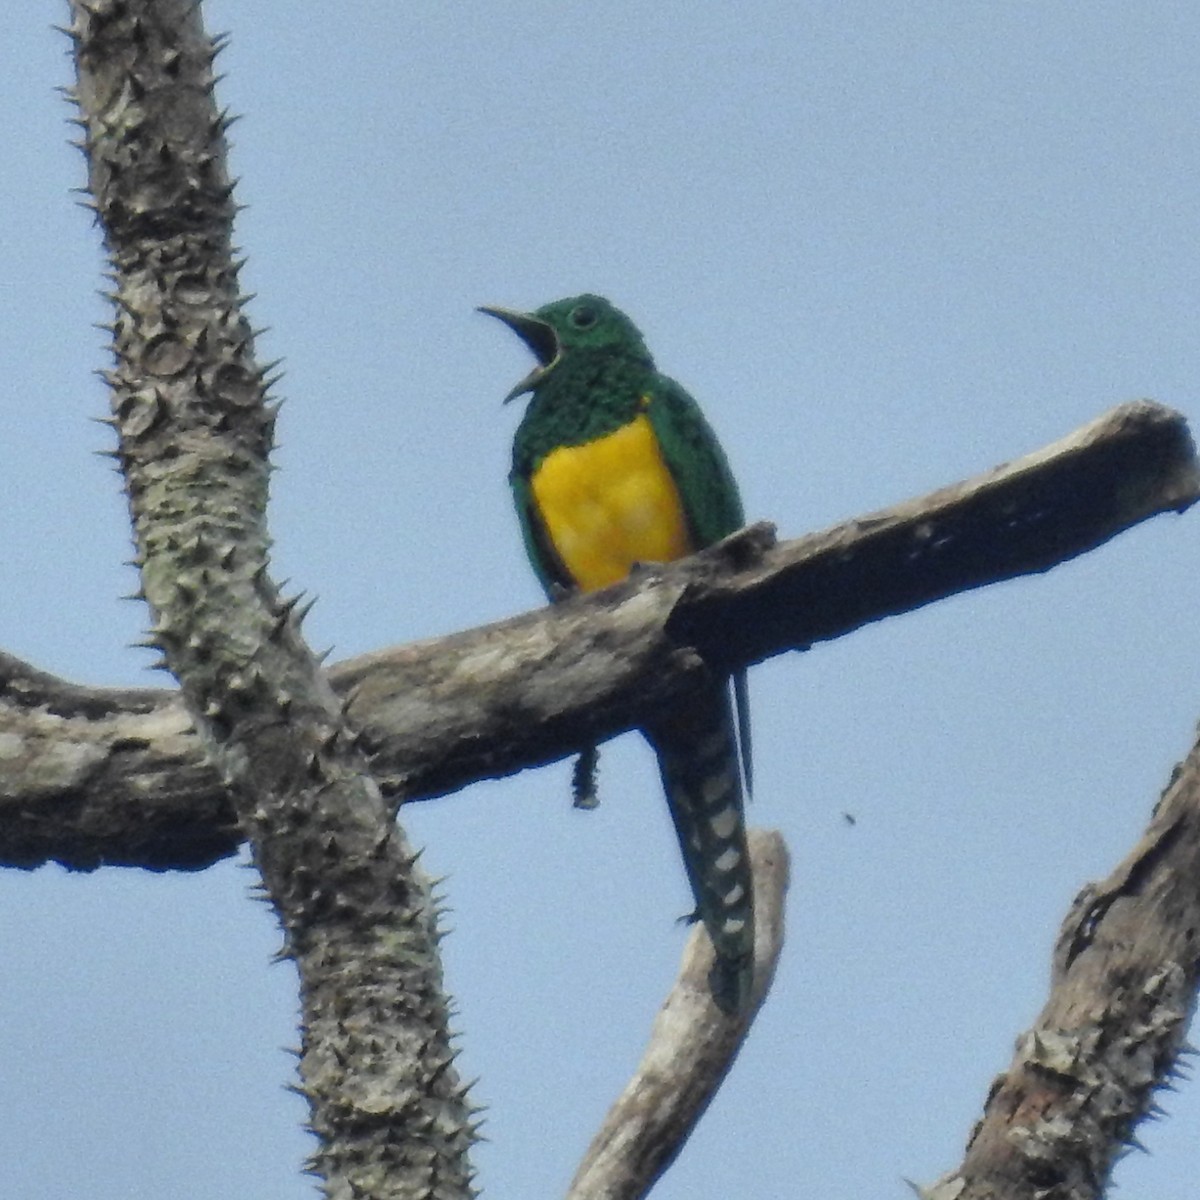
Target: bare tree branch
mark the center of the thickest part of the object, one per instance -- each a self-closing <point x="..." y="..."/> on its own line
<point x="96" y="775"/>
<point x="376" y="1066"/>
<point x="1123" y="989"/>
<point x="692" y="1046"/>
<point x="260" y="744"/>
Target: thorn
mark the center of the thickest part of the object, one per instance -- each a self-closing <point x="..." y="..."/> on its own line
<point x="289" y="605"/>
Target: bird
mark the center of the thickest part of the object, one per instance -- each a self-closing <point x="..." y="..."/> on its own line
<point x="614" y="466"/>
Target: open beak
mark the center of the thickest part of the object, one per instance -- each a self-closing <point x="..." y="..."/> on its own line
<point x="538" y="336"/>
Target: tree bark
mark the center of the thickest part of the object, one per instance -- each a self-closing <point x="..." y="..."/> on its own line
<point x="190" y="410"/>
<point x="692" y="1046"/>
<point x="260" y="744"/>
<point x="1123" y="989"/>
<point x="98" y="775"/>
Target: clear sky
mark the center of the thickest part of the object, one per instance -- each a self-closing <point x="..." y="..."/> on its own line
<point x="886" y="246"/>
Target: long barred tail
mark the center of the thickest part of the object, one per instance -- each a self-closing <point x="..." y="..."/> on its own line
<point x="698" y="757"/>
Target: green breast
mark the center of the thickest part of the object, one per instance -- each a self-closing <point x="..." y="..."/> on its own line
<point x="587" y="396"/>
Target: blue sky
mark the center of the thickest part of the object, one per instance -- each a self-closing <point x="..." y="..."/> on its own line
<point x="885" y="246"/>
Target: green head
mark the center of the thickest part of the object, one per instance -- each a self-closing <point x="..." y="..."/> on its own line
<point x="577" y="326"/>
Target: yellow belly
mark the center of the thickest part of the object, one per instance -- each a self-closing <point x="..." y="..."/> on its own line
<point x="609" y="504"/>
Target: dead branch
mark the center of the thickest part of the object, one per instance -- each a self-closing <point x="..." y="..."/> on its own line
<point x="1123" y="989"/>
<point x="692" y="1046"/>
<point x="99" y="775"/>
<point x="259" y="745"/>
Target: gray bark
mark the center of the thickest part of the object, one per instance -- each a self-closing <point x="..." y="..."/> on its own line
<point x="259" y="743"/>
<point x="97" y="775"/>
<point x="194" y="426"/>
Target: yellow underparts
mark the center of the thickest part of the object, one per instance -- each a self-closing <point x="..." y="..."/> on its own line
<point x="609" y="504"/>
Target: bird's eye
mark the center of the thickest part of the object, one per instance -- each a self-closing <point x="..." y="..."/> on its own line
<point x="583" y="316"/>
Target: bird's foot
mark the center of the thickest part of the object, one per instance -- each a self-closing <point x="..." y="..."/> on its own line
<point x="583" y="779"/>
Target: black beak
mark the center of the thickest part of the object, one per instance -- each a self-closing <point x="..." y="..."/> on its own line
<point x="537" y="335"/>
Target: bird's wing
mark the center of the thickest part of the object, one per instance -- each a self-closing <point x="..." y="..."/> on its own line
<point x="697" y="463"/>
<point x="710" y="497"/>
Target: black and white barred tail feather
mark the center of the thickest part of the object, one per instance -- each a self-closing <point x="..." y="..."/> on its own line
<point x="698" y="757"/>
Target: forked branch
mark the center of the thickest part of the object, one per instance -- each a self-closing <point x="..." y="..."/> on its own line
<point x="122" y="776"/>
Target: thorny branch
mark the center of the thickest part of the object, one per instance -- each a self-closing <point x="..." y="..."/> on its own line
<point x="260" y="744"/>
<point x="190" y="411"/>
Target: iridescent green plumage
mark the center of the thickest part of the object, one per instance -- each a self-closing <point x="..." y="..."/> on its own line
<point x="610" y="459"/>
